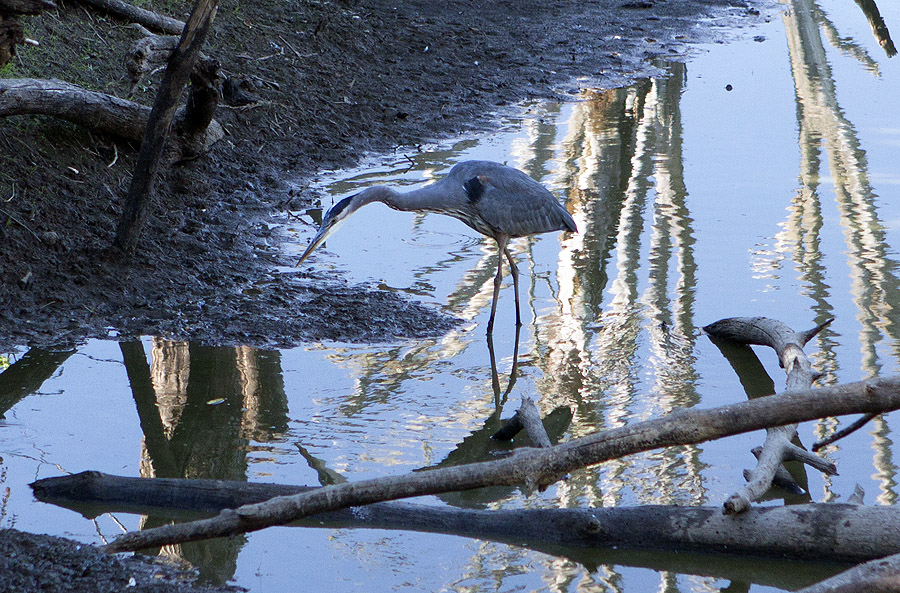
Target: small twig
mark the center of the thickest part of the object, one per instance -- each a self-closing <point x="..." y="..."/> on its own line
<point x="846" y="431"/>
<point x="805" y="336"/>
<point x="275" y="55"/>
<point x="20" y="223"/>
<point x="115" y="157"/>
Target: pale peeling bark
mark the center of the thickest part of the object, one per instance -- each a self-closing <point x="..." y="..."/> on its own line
<point x="777" y="448"/>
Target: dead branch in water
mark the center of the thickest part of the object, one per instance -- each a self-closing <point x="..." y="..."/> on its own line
<point x="777" y="447"/>
<point x="539" y="467"/>
<point x="824" y="532"/>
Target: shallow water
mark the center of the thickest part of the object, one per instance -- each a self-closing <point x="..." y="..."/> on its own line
<point x="779" y="197"/>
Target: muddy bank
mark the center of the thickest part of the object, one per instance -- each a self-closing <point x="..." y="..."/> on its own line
<point x="30" y="563"/>
<point x="310" y="85"/>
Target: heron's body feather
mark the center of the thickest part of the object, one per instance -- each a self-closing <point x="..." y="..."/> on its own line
<point x="494" y="199"/>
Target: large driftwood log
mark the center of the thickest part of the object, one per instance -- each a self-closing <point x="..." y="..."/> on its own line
<point x="777" y="447"/>
<point x="540" y="467"/>
<point x="824" y="532"/>
<point x="99" y="111"/>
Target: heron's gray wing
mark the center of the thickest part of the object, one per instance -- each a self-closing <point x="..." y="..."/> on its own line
<point x="517" y="205"/>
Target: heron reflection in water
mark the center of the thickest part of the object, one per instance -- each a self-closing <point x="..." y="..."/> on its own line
<point x="494" y="199"/>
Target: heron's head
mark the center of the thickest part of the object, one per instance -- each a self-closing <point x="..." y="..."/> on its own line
<point x="334" y="218"/>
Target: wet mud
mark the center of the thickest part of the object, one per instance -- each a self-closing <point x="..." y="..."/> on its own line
<point x="307" y="86"/>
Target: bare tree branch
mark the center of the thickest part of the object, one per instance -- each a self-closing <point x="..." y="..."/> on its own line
<point x="777" y="447"/>
<point x="825" y="532"/>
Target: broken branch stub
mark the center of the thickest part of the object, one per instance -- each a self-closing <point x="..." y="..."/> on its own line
<point x="778" y="446"/>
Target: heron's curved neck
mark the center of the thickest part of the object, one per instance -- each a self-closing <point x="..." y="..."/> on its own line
<point x="422" y="199"/>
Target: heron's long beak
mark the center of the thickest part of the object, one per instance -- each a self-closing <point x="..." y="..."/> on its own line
<point x="334" y="218"/>
<point x="329" y="225"/>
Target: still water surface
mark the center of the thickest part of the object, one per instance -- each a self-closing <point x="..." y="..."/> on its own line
<point x="778" y="197"/>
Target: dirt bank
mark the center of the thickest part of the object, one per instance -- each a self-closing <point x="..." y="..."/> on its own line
<point x="319" y="84"/>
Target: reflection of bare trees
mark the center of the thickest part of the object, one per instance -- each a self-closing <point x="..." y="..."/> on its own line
<point x="26" y="375"/>
<point x="624" y="172"/>
<point x="823" y="125"/>
<point x="199" y="408"/>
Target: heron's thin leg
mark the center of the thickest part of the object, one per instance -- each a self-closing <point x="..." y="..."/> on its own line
<point x="514" y="271"/>
<point x="501" y="248"/>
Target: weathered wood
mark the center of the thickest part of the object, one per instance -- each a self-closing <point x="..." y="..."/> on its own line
<point x="541" y="466"/>
<point x="134" y="14"/>
<point x="777" y="448"/>
<point x="200" y="108"/>
<point x="98" y="111"/>
<point x="73" y="103"/>
<point x="149" y="53"/>
<point x="881" y="575"/>
<point x="174" y="80"/>
<point x="531" y="420"/>
<point x="526" y="418"/>
<point x="825" y="532"/>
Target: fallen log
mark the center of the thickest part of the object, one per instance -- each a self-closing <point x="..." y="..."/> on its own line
<point x="134" y="14"/>
<point x="778" y="446"/>
<point x="876" y="576"/>
<point x="98" y="111"/>
<point x="536" y="468"/>
<point x="824" y="532"/>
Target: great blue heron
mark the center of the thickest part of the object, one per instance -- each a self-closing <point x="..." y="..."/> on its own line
<point x="495" y="200"/>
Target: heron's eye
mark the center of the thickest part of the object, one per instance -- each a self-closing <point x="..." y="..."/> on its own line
<point x="339" y="207"/>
